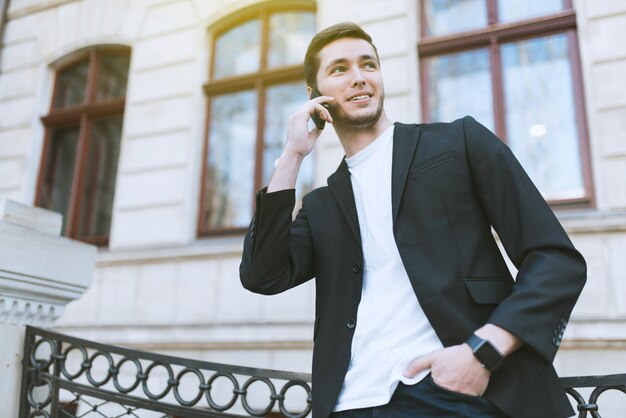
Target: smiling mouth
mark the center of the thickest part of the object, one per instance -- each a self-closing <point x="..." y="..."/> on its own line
<point x="360" y="97"/>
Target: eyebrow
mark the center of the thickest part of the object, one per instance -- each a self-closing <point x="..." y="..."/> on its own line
<point x="365" y="57"/>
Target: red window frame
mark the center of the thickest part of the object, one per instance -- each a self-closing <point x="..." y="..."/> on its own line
<point x="492" y="37"/>
<point x="81" y="116"/>
<point x="259" y="82"/>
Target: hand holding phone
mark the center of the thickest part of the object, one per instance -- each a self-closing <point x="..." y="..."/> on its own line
<point x="319" y="122"/>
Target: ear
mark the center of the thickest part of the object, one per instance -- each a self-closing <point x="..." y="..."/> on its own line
<point x="309" y="91"/>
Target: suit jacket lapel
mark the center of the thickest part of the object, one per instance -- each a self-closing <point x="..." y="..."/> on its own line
<point x="340" y="186"/>
<point x="405" y="140"/>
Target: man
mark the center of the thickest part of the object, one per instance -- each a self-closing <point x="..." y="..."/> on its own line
<point x="417" y="314"/>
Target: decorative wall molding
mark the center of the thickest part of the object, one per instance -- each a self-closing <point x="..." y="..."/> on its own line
<point x="40" y="271"/>
<point x="23" y="311"/>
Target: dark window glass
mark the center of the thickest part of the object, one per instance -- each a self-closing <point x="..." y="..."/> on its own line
<point x="71" y="86"/>
<point x="59" y="170"/>
<point x="100" y="176"/>
<point x="112" y="77"/>
<point x="79" y="168"/>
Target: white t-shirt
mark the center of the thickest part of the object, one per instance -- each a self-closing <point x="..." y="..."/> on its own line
<point x="391" y="326"/>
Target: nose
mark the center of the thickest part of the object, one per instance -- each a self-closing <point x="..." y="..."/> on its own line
<point x="357" y="77"/>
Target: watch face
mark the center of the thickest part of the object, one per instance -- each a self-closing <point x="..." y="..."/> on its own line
<point x="488" y="355"/>
<point x="485" y="352"/>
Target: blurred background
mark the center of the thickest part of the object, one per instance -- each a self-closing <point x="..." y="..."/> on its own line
<point x="150" y="124"/>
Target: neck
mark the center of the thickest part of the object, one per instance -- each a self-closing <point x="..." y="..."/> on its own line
<point x="354" y="139"/>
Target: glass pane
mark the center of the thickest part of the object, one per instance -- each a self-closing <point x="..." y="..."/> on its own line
<point x="99" y="178"/>
<point x="540" y="114"/>
<point x="290" y="34"/>
<point x="112" y="76"/>
<point x="458" y="85"/>
<point x="229" y="180"/>
<point x="282" y="101"/>
<point x="509" y="10"/>
<point x="449" y="16"/>
<point x="238" y="51"/>
<point x="59" y="171"/>
<point x="71" y="85"/>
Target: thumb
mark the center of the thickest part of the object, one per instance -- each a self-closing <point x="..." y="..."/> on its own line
<point x="418" y="365"/>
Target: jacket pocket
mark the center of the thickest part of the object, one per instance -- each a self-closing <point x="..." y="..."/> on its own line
<point x="432" y="163"/>
<point x="488" y="290"/>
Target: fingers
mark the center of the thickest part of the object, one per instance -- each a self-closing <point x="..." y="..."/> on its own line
<point x="320" y="106"/>
<point x="322" y="112"/>
<point x="323" y="99"/>
<point x="418" y="365"/>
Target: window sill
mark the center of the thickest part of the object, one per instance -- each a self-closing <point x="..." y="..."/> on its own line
<point x="593" y="221"/>
<point x="579" y="222"/>
<point x="202" y="248"/>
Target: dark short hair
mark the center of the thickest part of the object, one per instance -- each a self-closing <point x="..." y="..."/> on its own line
<point x="323" y="38"/>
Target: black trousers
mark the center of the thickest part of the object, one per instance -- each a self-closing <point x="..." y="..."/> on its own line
<point x="427" y="400"/>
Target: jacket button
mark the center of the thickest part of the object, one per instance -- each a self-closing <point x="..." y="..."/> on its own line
<point x="351" y="323"/>
<point x="356" y="267"/>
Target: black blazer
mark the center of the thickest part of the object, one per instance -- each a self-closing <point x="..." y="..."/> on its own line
<point x="451" y="183"/>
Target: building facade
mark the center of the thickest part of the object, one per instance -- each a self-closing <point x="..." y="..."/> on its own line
<point x="151" y="123"/>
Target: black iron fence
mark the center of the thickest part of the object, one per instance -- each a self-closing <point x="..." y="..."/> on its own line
<point x="67" y="377"/>
<point x="70" y="377"/>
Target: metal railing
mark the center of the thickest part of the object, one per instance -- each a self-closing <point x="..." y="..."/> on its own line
<point x="70" y="377"/>
<point x="598" y="384"/>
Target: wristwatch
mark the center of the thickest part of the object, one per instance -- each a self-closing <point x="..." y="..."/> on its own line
<point x="488" y="355"/>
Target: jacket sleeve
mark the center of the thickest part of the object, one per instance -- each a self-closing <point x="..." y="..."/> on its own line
<point x="277" y="253"/>
<point x="551" y="272"/>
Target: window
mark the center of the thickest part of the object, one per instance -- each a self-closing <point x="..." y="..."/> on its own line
<point x="82" y="143"/>
<point x="256" y="83"/>
<point x="513" y="65"/>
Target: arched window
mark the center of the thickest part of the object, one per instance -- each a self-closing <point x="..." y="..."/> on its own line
<point x="256" y="82"/>
<point x="82" y="142"/>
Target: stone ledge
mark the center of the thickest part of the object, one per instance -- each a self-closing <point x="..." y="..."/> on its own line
<point x="592" y="221"/>
<point x="40" y="270"/>
<point x="298" y="335"/>
<point x="580" y="222"/>
<point x="31" y="217"/>
<point x="200" y="249"/>
<point x="604" y="330"/>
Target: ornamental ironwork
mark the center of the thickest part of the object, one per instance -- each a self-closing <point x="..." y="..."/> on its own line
<point x="596" y="385"/>
<point x="68" y="377"/>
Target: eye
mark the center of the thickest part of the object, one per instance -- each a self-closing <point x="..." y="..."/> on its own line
<point x="335" y="70"/>
<point x="369" y="65"/>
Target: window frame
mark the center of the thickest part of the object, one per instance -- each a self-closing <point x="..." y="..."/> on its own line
<point x="81" y="116"/>
<point x="259" y="82"/>
<point x="492" y="37"/>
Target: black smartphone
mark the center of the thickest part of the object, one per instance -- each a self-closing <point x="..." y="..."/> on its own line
<point x="319" y="122"/>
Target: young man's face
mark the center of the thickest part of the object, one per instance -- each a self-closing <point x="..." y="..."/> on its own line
<point x="350" y="72"/>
